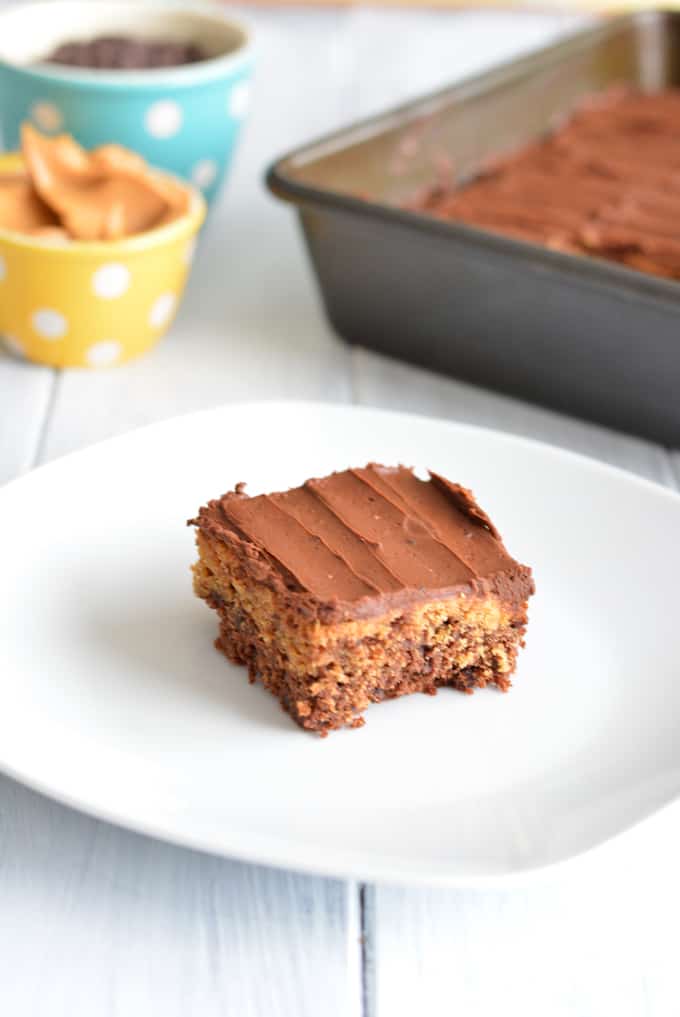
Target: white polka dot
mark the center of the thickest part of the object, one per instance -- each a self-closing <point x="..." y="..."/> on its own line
<point x="238" y="100"/>
<point x="162" y="309"/>
<point x="163" y="118"/>
<point x="13" y="345"/>
<point x="104" y="354"/>
<point x="48" y="323"/>
<point x="46" y="116"/>
<point x="190" y="251"/>
<point x="204" y="173"/>
<point x="3" y="268"/>
<point x="111" y="281"/>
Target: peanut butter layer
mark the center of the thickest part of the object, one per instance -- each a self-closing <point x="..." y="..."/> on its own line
<point x="105" y="194"/>
<point x="364" y="541"/>
<point x="607" y="184"/>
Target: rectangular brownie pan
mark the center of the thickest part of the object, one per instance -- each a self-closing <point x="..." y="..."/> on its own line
<point x="583" y="336"/>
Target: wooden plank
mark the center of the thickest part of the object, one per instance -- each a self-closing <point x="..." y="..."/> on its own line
<point x="96" y="920"/>
<point x="228" y="345"/>
<point x="432" y="49"/>
<point x="598" y="938"/>
<point x="25" y="392"/>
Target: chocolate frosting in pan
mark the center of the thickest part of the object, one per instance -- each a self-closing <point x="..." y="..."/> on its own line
<point x="362" y="541"/>
<point x="606" y="183"/>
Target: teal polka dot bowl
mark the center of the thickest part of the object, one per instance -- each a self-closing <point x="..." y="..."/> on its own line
<point x="182" y="119"/>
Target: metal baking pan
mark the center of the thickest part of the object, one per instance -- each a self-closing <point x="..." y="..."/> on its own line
<point x="583" y="336"/>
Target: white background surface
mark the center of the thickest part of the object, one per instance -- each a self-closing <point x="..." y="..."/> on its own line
<point x="94" y="920"/>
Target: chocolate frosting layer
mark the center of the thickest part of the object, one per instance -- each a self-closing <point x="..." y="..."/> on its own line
<point x="363" y="541"/>
<point x="607" y="183"/>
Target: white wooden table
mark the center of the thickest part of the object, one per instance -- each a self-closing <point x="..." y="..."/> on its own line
<point x="98" y="921"/>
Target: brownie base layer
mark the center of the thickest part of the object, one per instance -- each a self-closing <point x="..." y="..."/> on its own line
<point x="325" y="675"/>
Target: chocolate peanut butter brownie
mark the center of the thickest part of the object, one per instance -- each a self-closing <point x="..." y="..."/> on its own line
<point x="606" y="184"/>
<point x="362" y="586"/>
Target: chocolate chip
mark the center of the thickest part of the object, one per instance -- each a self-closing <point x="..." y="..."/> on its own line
<point x="119" y="52"/>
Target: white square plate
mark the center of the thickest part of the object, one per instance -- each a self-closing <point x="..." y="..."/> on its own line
<point x="115" y="700"/>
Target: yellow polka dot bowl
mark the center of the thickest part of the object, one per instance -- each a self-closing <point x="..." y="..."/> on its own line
<point x="78" y="304"/>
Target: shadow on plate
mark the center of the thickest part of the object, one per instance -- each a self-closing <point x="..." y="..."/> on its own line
<point x="168" y="651"/>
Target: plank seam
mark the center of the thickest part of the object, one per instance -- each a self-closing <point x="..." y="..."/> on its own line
<point x="50" y="403"/>
<point x="367" y="927"/>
